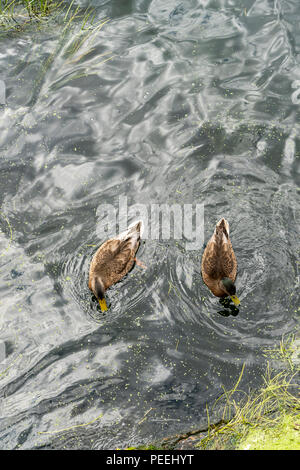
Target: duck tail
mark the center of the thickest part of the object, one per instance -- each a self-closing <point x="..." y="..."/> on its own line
<point x="136" y="226"/>
<point x="134" y="230"/>
<point x="222" y="228"/>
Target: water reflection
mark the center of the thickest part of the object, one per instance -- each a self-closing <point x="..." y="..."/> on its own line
<point x="229" y="308"/>
<point x="194" y="105"/>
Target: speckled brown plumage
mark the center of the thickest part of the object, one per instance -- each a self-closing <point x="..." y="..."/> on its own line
<point x="218" y="260"/>
<point x="115" y="258"/>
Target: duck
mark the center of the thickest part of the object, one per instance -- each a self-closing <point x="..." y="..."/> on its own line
<point x="219" y="264"/>
<point x="113" y="260"/>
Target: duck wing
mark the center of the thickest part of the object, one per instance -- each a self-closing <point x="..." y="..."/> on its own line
<point x="219" y="260"/>
<point x="114" y="259"/>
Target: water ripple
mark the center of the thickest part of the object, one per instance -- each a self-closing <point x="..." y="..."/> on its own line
<point x="174" y="102"/>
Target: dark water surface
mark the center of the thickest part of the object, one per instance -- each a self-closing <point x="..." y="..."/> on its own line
<point x="170" y="101"/>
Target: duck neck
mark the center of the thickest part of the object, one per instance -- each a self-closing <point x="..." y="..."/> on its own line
<point x="222" y="287"/>
<point x="227" y="285"/>
<point x="99" y="288"/>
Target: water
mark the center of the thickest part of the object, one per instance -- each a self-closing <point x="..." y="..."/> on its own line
<point x="176" y="102"/>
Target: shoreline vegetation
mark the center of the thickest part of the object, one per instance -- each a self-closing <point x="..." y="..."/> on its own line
<point x="16" y="15"/>
<point x="76" y="28"/>
<point x="267" y="419"/>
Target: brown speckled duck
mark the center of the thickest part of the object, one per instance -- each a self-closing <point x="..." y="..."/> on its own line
<point x="113" y="260"/>
<point x="219" y="265"/>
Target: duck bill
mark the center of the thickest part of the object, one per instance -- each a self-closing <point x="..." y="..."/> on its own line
<point x="235" y="300"/>
<point x="103" y="306"/>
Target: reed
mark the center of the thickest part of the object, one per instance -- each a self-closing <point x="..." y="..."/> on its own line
<point x="15" y="15"/>
<point x="33" y="7"/>
<point x="264" y="412"/>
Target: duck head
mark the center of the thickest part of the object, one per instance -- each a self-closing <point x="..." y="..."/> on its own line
<point x="228" y="286"/>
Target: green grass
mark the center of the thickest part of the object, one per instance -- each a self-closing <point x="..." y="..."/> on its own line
<point x="32" y="7"/>
<point x="16" y="15"/>
<point x="272" y="408"/>
<point x="266" y="419"/>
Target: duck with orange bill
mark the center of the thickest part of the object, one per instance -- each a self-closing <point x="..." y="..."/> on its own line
<point x="113" y="260"/>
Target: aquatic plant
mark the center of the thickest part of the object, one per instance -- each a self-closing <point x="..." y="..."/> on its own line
<point x="261" y="417"/>
<point x="15" y="15"/>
